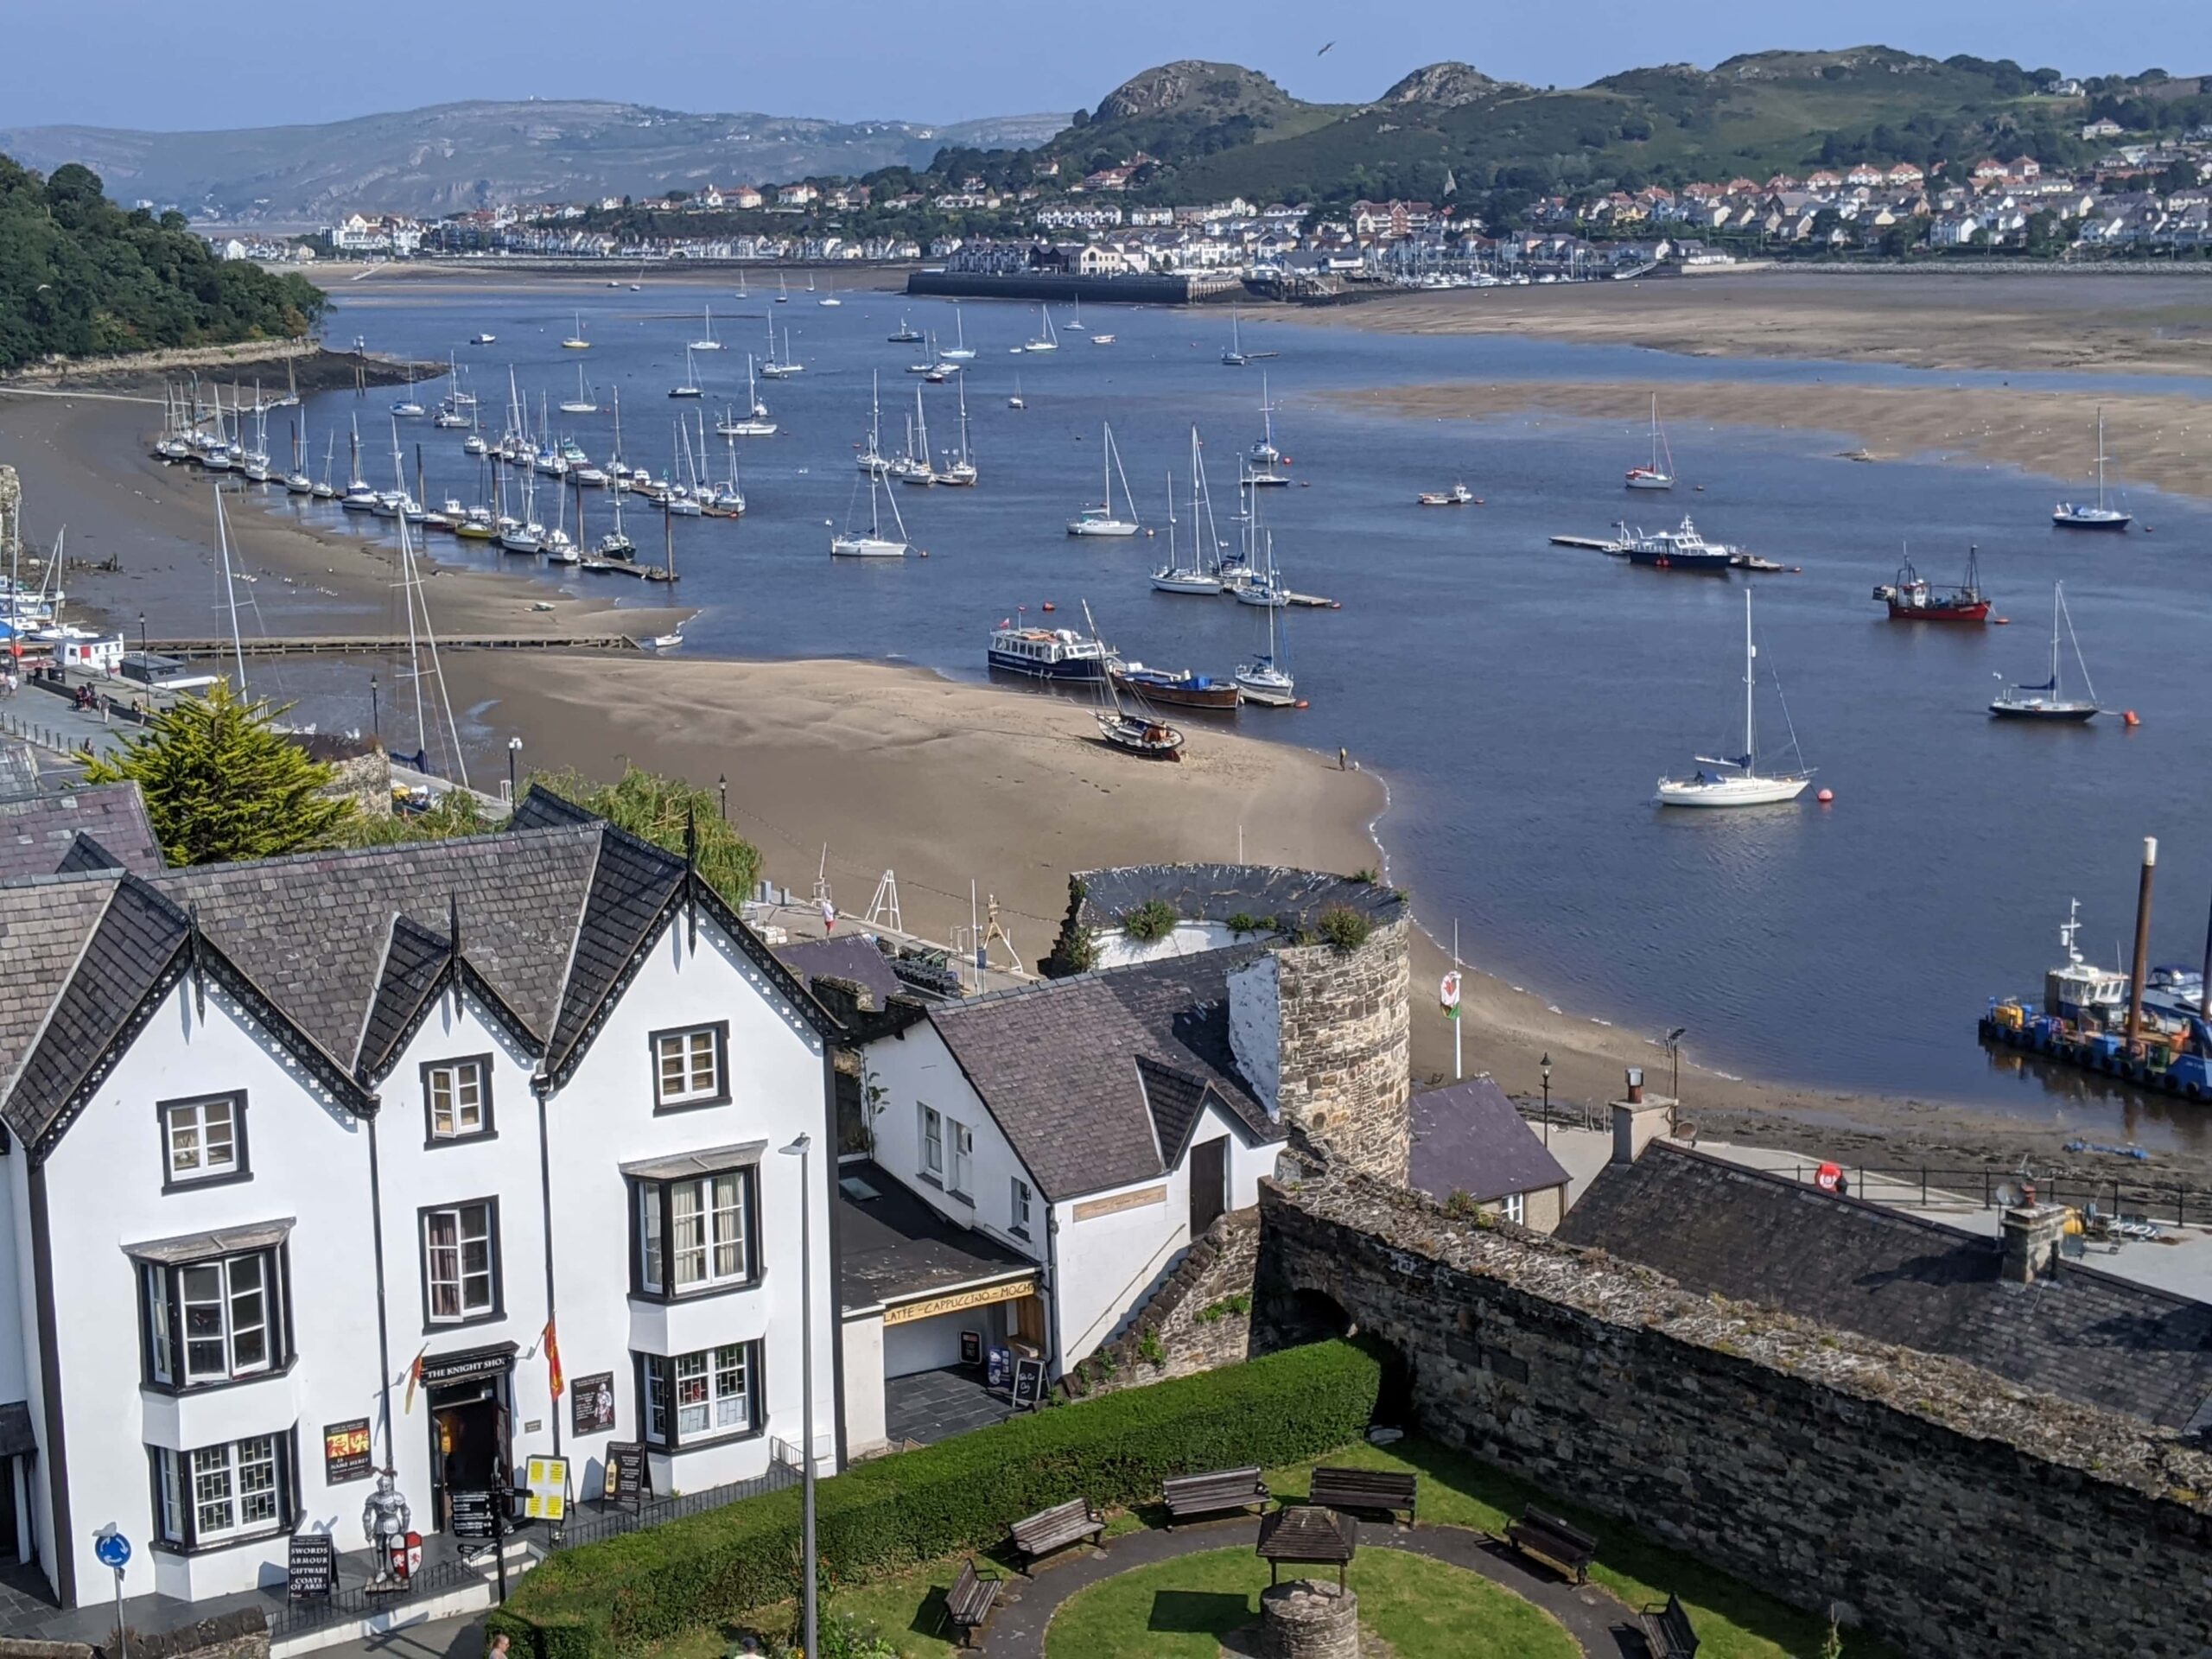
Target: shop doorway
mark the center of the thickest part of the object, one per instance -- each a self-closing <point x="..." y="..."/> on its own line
<point x="468" y="1441"/>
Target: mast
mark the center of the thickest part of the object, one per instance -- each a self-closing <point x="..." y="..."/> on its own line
<point x="2101" y="470"/>
<point x="1750" y="681"/>
<point x="2057" y="598"/>
<point x="230" y="590"/>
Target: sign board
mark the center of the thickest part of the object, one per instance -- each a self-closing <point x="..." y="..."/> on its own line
<point x="440" y="1368"/>
<point x="1028" y="1381"/>
<point x="113" y="1549"/>
<point x="545" y="1489"/>
<point x="345" y="1453"/>
<point x="998" y="1370"/>
<point x="972" y="1347"/>
<point x="310" y="1564"/>
<point x="1828" y="1178"/>
<point x="472" y="1516"/>
<point x="591" y="1404"/>
<point x="629" y="1479"/>
<point x="960" y="1301"/>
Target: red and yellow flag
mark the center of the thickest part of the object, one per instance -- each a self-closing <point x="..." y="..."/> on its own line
<point x="554" y="1380"/>
<point x="414" y="1376"/>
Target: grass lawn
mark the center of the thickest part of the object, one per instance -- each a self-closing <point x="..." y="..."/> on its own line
<point x="1181" y="1610"/>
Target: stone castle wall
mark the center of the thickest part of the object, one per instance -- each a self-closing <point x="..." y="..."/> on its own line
<point x="1947" y="1511"/>
<point x="1199" y="1317"/>
<point x="1346" y="1054"/>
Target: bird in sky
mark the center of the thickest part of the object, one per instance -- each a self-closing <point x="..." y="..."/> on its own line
<point x="1324" y="52"/>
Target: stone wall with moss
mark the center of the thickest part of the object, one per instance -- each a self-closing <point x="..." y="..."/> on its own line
<point x="1345" y="1052"/>
<point x="1199" y="1317"/>
<point x="1948" y="1511"/>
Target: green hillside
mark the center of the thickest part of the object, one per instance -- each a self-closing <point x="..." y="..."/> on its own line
<point x="81" y="277"/>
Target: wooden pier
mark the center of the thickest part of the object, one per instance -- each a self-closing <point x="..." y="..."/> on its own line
<point x="346" y="644"/>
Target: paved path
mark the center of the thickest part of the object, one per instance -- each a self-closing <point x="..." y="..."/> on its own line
<point x="1599" y="1623"/>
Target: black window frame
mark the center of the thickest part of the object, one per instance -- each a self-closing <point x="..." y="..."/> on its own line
<point x="1028" y="1190"/>
<point x="756" y="1382"/>
<point x="666" y="1292"/>
<point x="431" y="1139"/>
<point x="287" y="1490"/>
<point x="276" y="1323"/>
<point x="721" y="1096"/>
<point x="241" y="1166"/>
<point x="431" y="1326"/>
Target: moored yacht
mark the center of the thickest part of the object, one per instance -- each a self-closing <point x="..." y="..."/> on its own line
<point x="1736" y="780"/>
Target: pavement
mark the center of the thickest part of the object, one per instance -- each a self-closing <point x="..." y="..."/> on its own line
<point x="444" y="1638"/>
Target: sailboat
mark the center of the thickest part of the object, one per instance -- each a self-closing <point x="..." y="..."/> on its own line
<point x="755" y="422"/>
<point x="582" y="402"/>
<point x="961" y="471"/>
<point x="1100" y="520"/>
<point x="575" y="342"/>
<point x="960" y="351"/>
<point x="2078" y="515"/>
<point x="1132" y="727"/>
<point x="913" y="467"/>
<point x="1046" y="340"/>
<point x="2048" y="701"/>
<point x="1014" y="400"/>
<point x="1264" y="680"/>
<point x="1737" y="780"/>
<point x="777" y="368"/>
<point x="615" y="544"/>
<point x="1233" y="355"/>
<point x="296" y="481"/>
<point x="707" y="343"/>
<point x="783" y="291"/>
<point x="1655" y="476"/>
<point x="1176" y="576"/>
<point x="827" y="299"/>
<point x="1262" y="475"/>
<point x="875" y="545"/>
<point x="690" y="386"/>
<point x="870" y="459"/>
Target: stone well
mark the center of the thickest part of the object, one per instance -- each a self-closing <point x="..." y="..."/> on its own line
<point x="1308" y="1618"/>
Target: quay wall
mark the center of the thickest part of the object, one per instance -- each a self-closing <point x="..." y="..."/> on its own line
<point x="1131" y="289"/>
<point x="1949" y="1512"/>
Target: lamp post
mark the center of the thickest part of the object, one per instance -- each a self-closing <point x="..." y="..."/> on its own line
<point x="722" y="784"/>
<point x="1675" y="1076"/>
<point x="1545" y="1066"/>
<point x="514" y="755"/>
<point x="142" y="633"/>
<point x="801" y="1148"/>
<point x="376" y="715"/>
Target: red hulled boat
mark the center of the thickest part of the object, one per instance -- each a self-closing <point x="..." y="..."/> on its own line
<point x="1912" y="598"/>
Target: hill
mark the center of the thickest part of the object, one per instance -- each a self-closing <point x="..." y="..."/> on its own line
<point x="453" y="157"/>
<point x="1188" y="109"/>
<point x="80" y="276"/>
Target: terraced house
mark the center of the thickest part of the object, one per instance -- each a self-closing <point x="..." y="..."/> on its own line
<point x="426" y="1158"/>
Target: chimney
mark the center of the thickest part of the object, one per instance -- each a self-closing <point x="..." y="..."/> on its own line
<point x="2031" y="1237"/>
<point x="1637" y="1120"/>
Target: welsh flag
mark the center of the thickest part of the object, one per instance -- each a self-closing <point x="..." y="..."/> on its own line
<point x="1447" y="994"/>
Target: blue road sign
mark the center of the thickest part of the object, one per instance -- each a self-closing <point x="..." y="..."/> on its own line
<point x="113" y="1549"/>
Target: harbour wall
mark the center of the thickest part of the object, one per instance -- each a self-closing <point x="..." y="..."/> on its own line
<point x="1130" y="289"/>
<point x="1934" y="1504"/>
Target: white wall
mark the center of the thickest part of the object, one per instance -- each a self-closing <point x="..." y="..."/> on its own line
<point x="603" y="1118"/>
<point x="926" y="1344"/>
<point x="864" y="1425"/>
<point x="1117" y="950"/>
<point x="914" y="1070"/>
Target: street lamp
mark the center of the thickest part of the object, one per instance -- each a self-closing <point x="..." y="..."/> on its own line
<point x="722" y="784"/>
<point x="1545" y="1066"/>
<point x="376" y="716"/>
<point x="801" y="1148"/>
<point x="142" y="633"/>
<point x="514" y="755"/>
<point x="1674" y="1078"/>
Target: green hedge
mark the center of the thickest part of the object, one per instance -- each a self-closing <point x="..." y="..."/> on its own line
<point x="606" y="1598"/>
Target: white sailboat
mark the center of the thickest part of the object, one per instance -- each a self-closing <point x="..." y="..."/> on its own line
<point x="582" y="402"/>
<point x="1100" y="520"/>
<point x="1264" y="680"/>
<point x="1044" y="340"/>
<point x="1654" y="476"/>
<point x="1190" y="575"/>
<point x="575" y="342"/>
<point x="690" y="386"/>
<point x="1015" y="400"/>
<point x="875" y="545"/>
<point x="914" y="466"/>
<point x="776" y="368"/>
<point x="960" y="471"/>
<point x="2079" y="515"/>
<point x="870" y="459"/>
<point x="755" y="422"/>
<point x="1233" y="355"/>
<point x="1262" y="475"/>
<point x="1736" y="780"/>
<point x="959" y="350"/>
<point x="708" y="342"/>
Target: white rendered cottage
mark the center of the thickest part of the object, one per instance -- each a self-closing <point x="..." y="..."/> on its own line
<point x="309" y="1158"/>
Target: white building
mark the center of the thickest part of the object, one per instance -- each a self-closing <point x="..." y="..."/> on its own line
<point x="315" y="1164"/>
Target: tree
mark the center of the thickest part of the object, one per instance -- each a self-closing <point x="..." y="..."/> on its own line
<point x="223" y="785"/>
<point x="664" y="811"/>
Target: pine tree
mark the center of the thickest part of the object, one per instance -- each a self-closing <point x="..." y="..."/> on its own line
<point x="222" y="785"/>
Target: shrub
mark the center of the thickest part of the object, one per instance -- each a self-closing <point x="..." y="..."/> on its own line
<point x="1150" y="920"/>
<point x="1344" y="927"/>
<point x="1150" y="1352"/>
<point x="1228" y="1308"/>
<point x="1243" y="922"/>
<point x="600" y="1599"/>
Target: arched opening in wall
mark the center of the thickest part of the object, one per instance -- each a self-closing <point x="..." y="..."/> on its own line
<point x="1291" y="1318"/>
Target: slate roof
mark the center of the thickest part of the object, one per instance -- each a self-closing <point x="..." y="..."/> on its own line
<point x="38" y="833"/>
<point x="850" y="957"/>
<point x="1469" y="1138"/>
<point x="1214" y="892"/>
<point x="1058" y="1066"/>
<point x="345" y="949"/>
<point x="2084" y="1335"/>
<point x="893" y="1246"/>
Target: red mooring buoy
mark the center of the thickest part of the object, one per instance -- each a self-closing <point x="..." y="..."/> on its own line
<point x="1825" y="797"/>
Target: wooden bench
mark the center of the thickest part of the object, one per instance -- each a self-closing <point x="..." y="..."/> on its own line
<point x="969" y="1603"/>
<point x="1057" y="1528"/>
<point x="1354" y="1489"/>
<point x="1209" y="1494"/>
<point x="1550" y="1539"/>
<point x="1667" y="1630"/>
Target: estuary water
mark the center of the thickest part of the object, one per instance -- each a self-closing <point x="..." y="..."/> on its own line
<point x="1522" y="699"/>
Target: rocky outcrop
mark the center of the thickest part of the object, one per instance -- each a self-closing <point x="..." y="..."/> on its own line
<point x="1447" y="85"/>
<point x="1170" y="88"/>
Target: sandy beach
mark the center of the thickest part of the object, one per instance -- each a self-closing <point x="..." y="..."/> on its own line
<point x="893" y="768"/>
<point x="2128" y="323"/>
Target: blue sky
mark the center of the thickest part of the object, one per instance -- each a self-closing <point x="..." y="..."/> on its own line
<point x="159" y="64"/>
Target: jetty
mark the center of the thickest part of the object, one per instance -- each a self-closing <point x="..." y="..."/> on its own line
<point x="386" y="644"/>
<point x="1594" y="543"/>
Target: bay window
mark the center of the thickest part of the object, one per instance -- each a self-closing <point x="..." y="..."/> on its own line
<point x="693" y="1225"/>
<point x="712" y="1395"/>
<point x="211" y="1312"/>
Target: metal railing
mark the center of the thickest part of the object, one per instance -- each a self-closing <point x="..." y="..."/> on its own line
<point x="1921" y="1186"/>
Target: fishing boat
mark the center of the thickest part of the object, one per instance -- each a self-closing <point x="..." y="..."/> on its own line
<point x="906" y="333"/>
<point x="1195" y="575"/>
<point x="755" y="422"/>
<point x="2078" y="515"/>
<point x="960" y="351"/>
<point x="690" y="386"/>
<point x="1458" y="496"/>
<point x="707" y="342"/>
<point x="1186" y="690"/>
<point x="2048" y="701"/>
<point x="582" y="402"/>
<point x="1100" y="520"/>
<point x="1131" y="725"/>
<point x="1232" y="355"/>
<point x="1679" y="549"/>
<point x="482" y="339"/>
<point x="1044" y="340"/>
<point x="1737" y="780"/>
<point x="1047" y="653"/>
<point x="1913" y="598"/>
<point x="1654" y="475"/>
<point x="875" y="545"/>
<point x="575" y="342"/>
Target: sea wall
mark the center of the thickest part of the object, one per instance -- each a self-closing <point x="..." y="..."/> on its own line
<point x="1131" y="289"/>
<point x="1951" y="1513"/>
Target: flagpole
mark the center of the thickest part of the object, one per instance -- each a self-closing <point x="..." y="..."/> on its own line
<point x="1458" y="1070"/>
